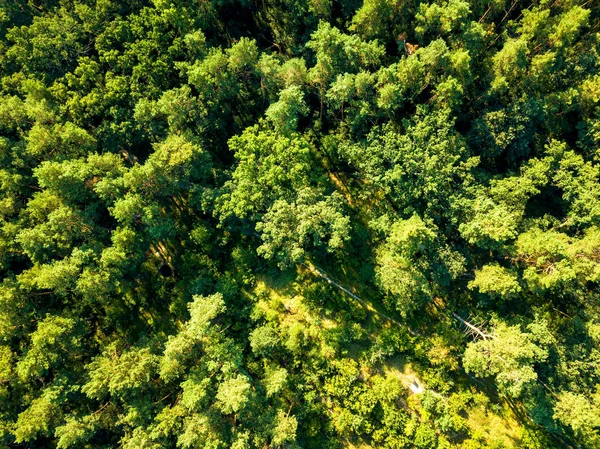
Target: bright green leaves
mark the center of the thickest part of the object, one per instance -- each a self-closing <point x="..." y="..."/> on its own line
<point x="285" y="430"/>
<point x="590" y="126"/>
<point x="174" y="165"/>
<point x="581" y="413"/>
<point x="417" y="166"/>
<point x="410" y="237"/>
<point x="375" y="18"/>
<point x="277" y="74"/>
<point x="338" y="53"/>
<point x="41" y="416"/>
<point x="117" y="374"/>
<point x="401" y="84"/>
<point x="509" y="64"/>
<point x="578" y="180"/>
<point x="75" y="181"/>
<point x="227" y="84"/>
<point x="139" y="438"/>
<point x="14" y="310"/>
<point x="275" y="381"/>
<point x="53" y="343"/>
<point x="58" y="141"/>
<point x="554" y="260"/>
<point x="449" y="93"/>
<point x="271" y="166"/>
<point x="177" y="108"/>
<point x="199" y="431"/>
<point x="569" y="25"/>
<point x="179" y="348"/>
<point x="289" y="230"/>
<point x="48" y="47"/>
<point x="434" y="19"/>
<point x="285" y="113"/>
<point x="507" y="132"/>
<point x="220" y="403"/>
<point x="243" y="54"/>
<point x="196" y="392"/>
<point x="65" y="226"/>
<point x="496" y="214"/>
<point x="263" y="340"/>
<point x="509" y="355"/>
<point x="122" y="254"/>
<point x="75" y="431"/>
<point x="232" y="395"/>
<point x="546" y="251"/>
<point x="60" y="229"/>
<point x="351" y="96"/>
<point x="58" y="220"/>
<point x="212" y="73"/>
<point x="412" y="264"/>
<point x="396" y="270"/>
<point x="544" y="47"/>
<point x="544" y="222"/>
<point x="496" y="281"/>
<point x="195" y="42"/>
<point x="490" y="223"/>
<point x="59" y="277"/>
<point x="357" y="403"/>
<point x="6" y="368"/>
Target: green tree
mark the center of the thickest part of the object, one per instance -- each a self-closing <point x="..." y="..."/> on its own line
<point x="509" y="355"/>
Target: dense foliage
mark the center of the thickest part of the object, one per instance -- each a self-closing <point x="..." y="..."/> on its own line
<point x="320" y="224"/>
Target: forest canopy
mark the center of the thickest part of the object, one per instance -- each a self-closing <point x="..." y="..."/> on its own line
<point x="299" y="224"/>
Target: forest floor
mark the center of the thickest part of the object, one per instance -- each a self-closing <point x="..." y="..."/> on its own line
<point x="488" y="423"/>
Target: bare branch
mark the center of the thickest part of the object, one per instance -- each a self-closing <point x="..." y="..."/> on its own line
<point x="473" y="330"/>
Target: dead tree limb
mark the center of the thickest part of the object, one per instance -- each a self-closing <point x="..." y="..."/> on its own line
<point x="471" y="327"/>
